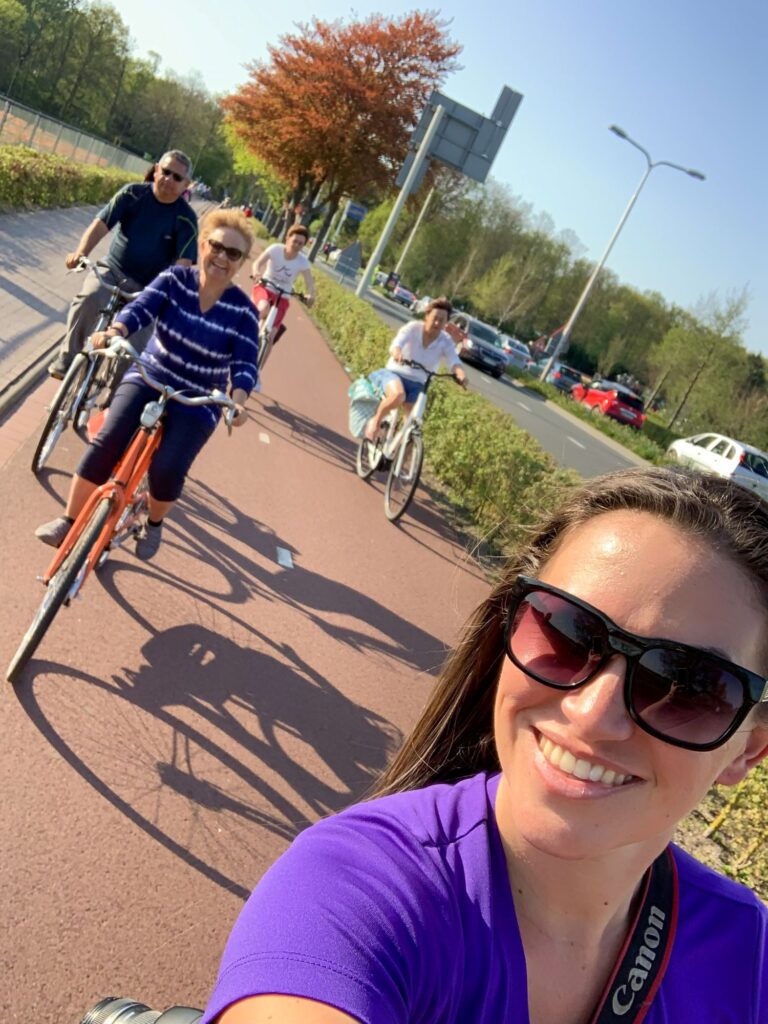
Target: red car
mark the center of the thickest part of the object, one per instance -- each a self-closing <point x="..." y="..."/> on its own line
<point x="610" y="399"/>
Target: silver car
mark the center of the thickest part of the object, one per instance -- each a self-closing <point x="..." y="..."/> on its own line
<point x="723" y="456"/>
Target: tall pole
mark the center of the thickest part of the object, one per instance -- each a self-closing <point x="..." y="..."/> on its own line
<point x="405" y="191"/>
<point x="650" y="164"/>
<point x="416" y="227"/>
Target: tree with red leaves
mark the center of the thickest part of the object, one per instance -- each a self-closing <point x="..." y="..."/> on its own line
<point x="335" y="104"/>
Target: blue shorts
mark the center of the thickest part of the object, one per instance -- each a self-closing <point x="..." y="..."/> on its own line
<point x="413" y="388"/>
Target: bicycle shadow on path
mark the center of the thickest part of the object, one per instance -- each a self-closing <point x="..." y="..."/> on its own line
<point x="201" y="526"/>
<point x="321" y="442"/>
<point x="208" y="725"/>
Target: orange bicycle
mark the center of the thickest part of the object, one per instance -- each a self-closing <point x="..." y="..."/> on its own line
<point x="114" y="512"/>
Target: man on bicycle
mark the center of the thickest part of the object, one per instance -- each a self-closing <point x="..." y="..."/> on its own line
<point x="281" y="265"/>
<point x="156" y="228"/>
<point x="426" y="343"/>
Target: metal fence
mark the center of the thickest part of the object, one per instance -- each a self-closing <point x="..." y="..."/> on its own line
<point x="22" y="126"/>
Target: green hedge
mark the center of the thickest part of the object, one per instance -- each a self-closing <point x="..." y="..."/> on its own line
<point x="30" y="179"/>
<point x="496" y="471"/>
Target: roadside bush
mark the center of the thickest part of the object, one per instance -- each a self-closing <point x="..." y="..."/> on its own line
<point x="498" y="473"/>
<point x="29" y="179"/>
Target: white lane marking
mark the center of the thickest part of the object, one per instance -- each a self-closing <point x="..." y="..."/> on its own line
<point x="524" y="406"/>
<point x="264" y="438"/>
<point x="577" y="443"/>
<point x="284" y="558"/>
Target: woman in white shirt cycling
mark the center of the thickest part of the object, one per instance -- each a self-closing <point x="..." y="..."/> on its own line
<point x="281" y="265"/>
<point x="426" y="343"/>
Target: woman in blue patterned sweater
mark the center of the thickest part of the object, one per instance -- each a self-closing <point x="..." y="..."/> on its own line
<point x="205" y="338"/>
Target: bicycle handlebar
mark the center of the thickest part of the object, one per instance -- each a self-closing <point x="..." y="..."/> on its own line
<point x="282" y="292"/>
<point x="85" y="264"/>
<point x="430" y="373"/>
<point x="124" y="347"/>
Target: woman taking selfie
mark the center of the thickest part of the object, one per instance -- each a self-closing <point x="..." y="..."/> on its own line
<point x="516" y="865"/>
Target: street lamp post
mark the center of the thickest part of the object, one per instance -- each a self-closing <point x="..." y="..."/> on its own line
<point x="650" y="164"/>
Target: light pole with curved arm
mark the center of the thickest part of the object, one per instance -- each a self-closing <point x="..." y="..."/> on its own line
<point x="650" y="164"/>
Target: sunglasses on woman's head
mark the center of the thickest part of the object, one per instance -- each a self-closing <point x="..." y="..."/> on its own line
<point x="168" y="173"/>
<point x="231" y="252"/>
<point x="683" y="695"/>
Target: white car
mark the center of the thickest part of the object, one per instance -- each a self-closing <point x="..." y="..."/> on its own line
<point x="419" y="306"/>
<point x="517" y="352"/>
<point x="722" y="456"/>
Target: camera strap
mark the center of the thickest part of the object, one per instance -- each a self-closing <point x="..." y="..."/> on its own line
<point x="643" y="959"/>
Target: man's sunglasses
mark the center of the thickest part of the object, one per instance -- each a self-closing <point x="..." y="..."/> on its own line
<point x="168" y="173"/>
<point x="232" y="253"/>
<point x="683" y="695"/>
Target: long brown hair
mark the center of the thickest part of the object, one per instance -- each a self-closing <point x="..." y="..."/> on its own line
<point x="454" y="736"/>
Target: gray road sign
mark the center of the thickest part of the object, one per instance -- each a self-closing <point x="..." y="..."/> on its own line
<point x="466" y="140"/>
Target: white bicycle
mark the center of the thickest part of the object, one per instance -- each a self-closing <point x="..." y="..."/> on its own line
<point x="398" y="450"/>
<point x="268" y="335"/>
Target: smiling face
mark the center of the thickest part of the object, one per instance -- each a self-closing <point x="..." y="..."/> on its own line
<point x="294" y="244"/>
<point x="654" y="580"/>
<point x="435" y="321"/>
<point x="166" y="187"/>
<point x="217" y="266"/>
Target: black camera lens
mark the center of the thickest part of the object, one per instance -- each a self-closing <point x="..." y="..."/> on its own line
<point x="115" y="1010"/>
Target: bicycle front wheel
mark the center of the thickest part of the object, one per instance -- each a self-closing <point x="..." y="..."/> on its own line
<point x="59" y="588"/>
<point x="401" y="486"/>
<point x="61" y="410"/>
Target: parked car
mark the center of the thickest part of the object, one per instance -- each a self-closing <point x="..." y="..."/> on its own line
<point x="723" y="456"/>
<point x="477" y="343"/>
<point x="517" y="352"/>
<point x="608" y="398"/>
<point x="380" y="278"/>
<point x="403" y="295"/>
<point x="419" y="306"/>
<point x="565" y="378"/>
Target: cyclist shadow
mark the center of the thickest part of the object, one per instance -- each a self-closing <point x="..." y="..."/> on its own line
<point x="206" y="520"/>
<point x="429" y="518"/>
<point x="199" y="747"/>
<point x="323" y="443"/>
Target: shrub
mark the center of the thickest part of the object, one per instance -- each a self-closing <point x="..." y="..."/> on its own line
<point x="30" y="179"/>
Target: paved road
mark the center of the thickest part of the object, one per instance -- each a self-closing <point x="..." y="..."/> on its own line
<point x="571" y="442"/>
<point x="186" y="717"/>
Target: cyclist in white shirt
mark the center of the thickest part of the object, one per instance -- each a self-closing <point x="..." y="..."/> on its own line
<point x="426" y="343"/>
<point x="281" y="265"/>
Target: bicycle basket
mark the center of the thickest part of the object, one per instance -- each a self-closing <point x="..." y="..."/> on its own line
<point x="364" y="400"/>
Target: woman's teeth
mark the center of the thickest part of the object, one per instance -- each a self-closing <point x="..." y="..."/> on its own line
<point x="578" y="767"/>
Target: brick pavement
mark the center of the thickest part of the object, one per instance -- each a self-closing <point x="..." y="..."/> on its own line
<point x="35" y="286"/>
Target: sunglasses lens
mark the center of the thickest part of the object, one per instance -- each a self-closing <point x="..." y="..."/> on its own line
<point x="232" y="253"/>
<point x="554" y="640"/>
<point x="687" y="699"/>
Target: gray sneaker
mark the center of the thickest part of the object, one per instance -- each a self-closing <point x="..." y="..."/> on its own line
<point x="148" y="542"/>
<point x="58" y="368"/>
<point x="53" y="533"/>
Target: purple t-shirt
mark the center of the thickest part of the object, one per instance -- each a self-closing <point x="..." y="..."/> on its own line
<point x="399" y="911"/>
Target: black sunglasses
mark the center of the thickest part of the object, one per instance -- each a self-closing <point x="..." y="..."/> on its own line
<point x="168" y="173"/>
<point x="232" y="253"/>
<point x="683" y="695"/>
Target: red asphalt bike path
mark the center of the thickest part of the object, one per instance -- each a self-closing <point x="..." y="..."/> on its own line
<point x="184" y="719"/>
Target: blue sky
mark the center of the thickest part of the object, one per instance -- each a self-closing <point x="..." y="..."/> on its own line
<point x="688" y="79"/>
